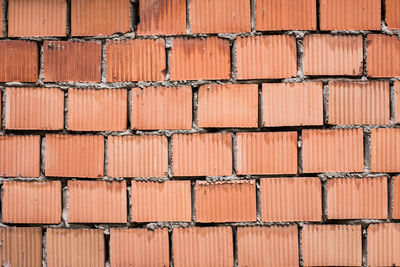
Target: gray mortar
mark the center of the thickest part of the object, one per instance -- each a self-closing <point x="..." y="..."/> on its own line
<point x="258" y="201"/>
<point x="44" y="247"/>
<point x="65" y="199"/>
<point x="367" y="149"/>
<point x="253" y="14"/>
<point x="188" y="26"/>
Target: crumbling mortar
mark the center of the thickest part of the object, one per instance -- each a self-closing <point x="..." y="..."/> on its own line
<point x="105" y="171"/>
<point x="367" y="149"/>
<point x="235" y="246"/>
<point x="392" y="104"/>
<point x="253" y="15"/>
<point x="325" y="100"/>
<point x="107" y="247"/>
<point x="170" y="156"/>
<point x="234" y="154"/>
<point x="42" y="157"/>
<point x="193" y="200"/>
<point x="171" y="247"/>
<point x="324" y="199"/>
<point x="44" y="247"/>
<point x="390" y="197"/>
<point x="65" y="203"/>
<point x="188" y="25"/>
<point x="364" y="246"/>
<point x="3" y="109"/>
<point x="168" y="47"/>
<point x="258" y="201"/>
<point x="68" y="20"/>
<point x="300" y="243"/>
<point x="4" y="18"/>
<point x="103" y="62"/>
<point x="233" y="46"/>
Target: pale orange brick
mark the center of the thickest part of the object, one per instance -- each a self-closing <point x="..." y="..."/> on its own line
<point x="384" y="244"/>
<point x="397" y="101"/>
<point x="392" y="12"/>
<point x="385" y="150"/>
<point x="383" y="52"/>
<point x="396" y="198"/>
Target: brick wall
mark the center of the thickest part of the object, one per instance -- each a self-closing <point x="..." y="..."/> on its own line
<point x="200" y="133"/>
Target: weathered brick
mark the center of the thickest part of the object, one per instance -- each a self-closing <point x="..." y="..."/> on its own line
<point x="383" y="52"/>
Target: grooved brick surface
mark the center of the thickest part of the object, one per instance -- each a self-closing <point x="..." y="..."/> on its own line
<point x="384" y="244"/>
<point x="382" y="54"/>
<point x="392" y="14"/>
<point x="396" y="198"/>
<point x="384" y="149"/>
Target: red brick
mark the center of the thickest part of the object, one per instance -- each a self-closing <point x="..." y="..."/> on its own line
<point x="333" y="151"/>
<point x="97" y="202"/>
<point x="224" y="16"/>
<point x="226" y="201"/>
<point x="207" y="154"/>
<point x="292" y="104"/>
<point x="20" y="156"/>
<point x="74" y="155"/>
<point x="138" y="156"/>
<point x="384" y="244"/>
<point x="266" y="57"/>
<point x="136" y="60"/>
<point x="278" y="15"/>
<point x="19" y="61"/>
<point x="383" y="52"/>
<point x="162" y="17"/>
<point x="397" y="101"/>
<point x="268" y="246"/>
<point x="174" y="108"/>
<point x="103" y="17"/>
<point x="34" y="108"/>
<point x="37" y="18"/>
<point x="396" y="198"/>
<point x="384" y="150"/>
<point x="266" y="153"/>
<point x="392" y="11"/>
<point x="231" y="105"/>
<point x="350" y="15"/>
<point x="97" y="110"/>
<point x="71" y="61"/>
<point x="200" y="59"/>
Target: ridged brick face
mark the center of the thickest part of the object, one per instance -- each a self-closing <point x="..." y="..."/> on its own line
<point x="382" y="54"/>
<point x="384" y="150"/>
<point x="384" y="244"/>
<point x="396" y="198"/>
<point x="392" y="16"/>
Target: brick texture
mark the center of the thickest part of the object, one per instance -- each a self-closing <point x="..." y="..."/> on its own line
<point x="384" y="150"/>
<point x="392" y="14"/>
<point x="396" y="198"/>
<point x="382" y="52"/>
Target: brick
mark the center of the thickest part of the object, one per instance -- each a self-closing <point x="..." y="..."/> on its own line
<point x="392" y="14"/>
<point x="331" y="245"/>
<point x="278" y="15"/>
<point x="162" y="17"/>
<point x="357" y="198"/>
<point x="173" y="112"/>
<point x="34" y="108"/>
<point x="359" y="102"/>
<point x="166" y="201"/>
<point x="384" y="244"/>
<point x="75" y="247"/>
<point x="266" y="57"/>
<point x="396" y="90"/>
<point x="231" y="105"/>
<point x="266" y="153"/>
<point x="326" y="54"/>
<point x="139" y="247"/>
<point x="105" y="17"/>
<point x="350" y="15"/>
<point x="142" y="60"/>
<point x="224" y="16"/>
<point x="86" y="106"/>
<point x="21" y="246"/>
<point x="202" y="246"/>
<point x="226" y="201"/>
<point x="292" y="104"/>
<point x="200" y="59"/>
<point x="291" y="199"/>
<point x="97" y="202"/>
<point x="74" y="155"/>
<point x="396" y="198"/>
<point x="31" y="202"/>
<point x="207" y="154"/>
<point x="333" y="150"/>
<point x="19" y="61"/>
<point x="37" y="18"/>
<point x="138" y="156"/>
<point x="71" y="61"/>
<point x="20" y="156"/>
<point x="382" y="54"/>
<point x="384" y="150"/>
<point x="268" y="246"/>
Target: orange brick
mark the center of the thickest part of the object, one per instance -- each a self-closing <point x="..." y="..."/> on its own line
<point x="20" y="156"/>
<point x="166" y="201"/>
<point x="359" y="102"/>
<point x="226" y="201"/>
<point x="292" y="104"/>
<point x="174" y="108"/>
<point x="224" y="16"/>
<point x="396" y="198"/>
<point x="75" y="247"/>
<point x="384" y="150"/>
<point x="333" y="151"/>
<point x="19" y="61"/>
<point x="291" y="199"/>
<point x="37" y="18"/>
<point x="397" y="101"/>
<point x="332" y="245"/>
<point x="74" y="155"/>
<point x="104" y="17"/>
<point x="326" y="54"/>
<point x="162" y="17"/>
<point x="268" y="246"/>
<point x="97" y="110"/>
<point x="392" y="14"/>
<point x="138" y="156"/>
<point x="266" y="57"/>
<point x="384" y="244"/>
<point x="136" y="60"/>
<point x="266" y="153"/>
<point x="231" y="105"/>
<point x="31" y="202"/>
<point x="278" y="15"/>
<point x="71" y="61"/>
<point x="202" y="246"/>
<point x="139" y="247"/>
<point x="383" y="52"/>
<point x="200" y="59"/>
<point x="34" y="108"/>
<point x="352" y="198"/>
<point x="97" y="202"/>
<point x="350" y="15"/>
<point x="207" y="154"/>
